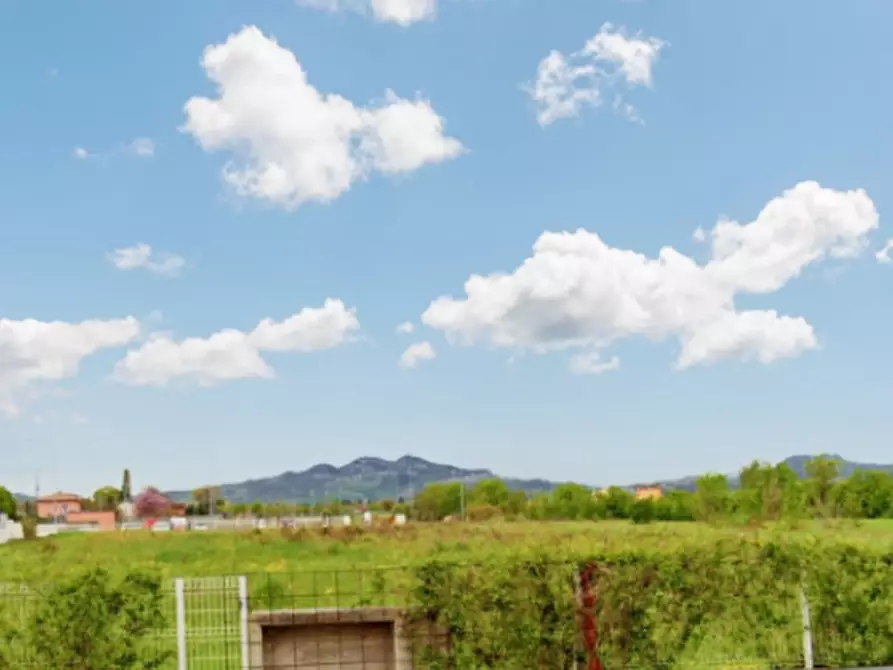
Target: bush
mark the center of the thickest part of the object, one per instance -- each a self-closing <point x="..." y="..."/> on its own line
<point x="8" y="504"/>
<point x="93" y="623"/>
<point x="732" y="601"/>
<point x="642" y="511"/>
<point x="482" y="512"/>
<point x="29" y="528"/>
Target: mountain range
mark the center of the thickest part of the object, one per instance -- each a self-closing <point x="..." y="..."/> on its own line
<point x="366" y="478"/>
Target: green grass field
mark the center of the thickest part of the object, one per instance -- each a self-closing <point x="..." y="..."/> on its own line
<point x="350" y="567"/>
<point x="201" y="554"/>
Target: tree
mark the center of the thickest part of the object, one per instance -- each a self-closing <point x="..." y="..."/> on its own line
<point x="711" y="496"/>
<point x="821" y="473"/>
<point x="126" y="493"/>
<point x="107" y="498"/>
<point x="151" y="504"/>
<point x="207" y="499"/>
<point x="675" y="506"/>
<point x="615" y="503"/>
<point x="865" y="494"/>
<point x="571" y="501"/>
<point x="643" y="510"/>
<point x="770" y="492"/>
<point x="8" y="504"/>
<point x="438" y="500"/>
<point x="516" y="503"/>
<point x="493" y="492"/>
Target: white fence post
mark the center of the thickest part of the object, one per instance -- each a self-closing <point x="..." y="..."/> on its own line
<point x="181" y="623"/>
<point x="243" y="621"/>
<point x="807" y="631"/>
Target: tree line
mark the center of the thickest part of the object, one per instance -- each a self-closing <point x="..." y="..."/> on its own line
<point x="764" y="492"/>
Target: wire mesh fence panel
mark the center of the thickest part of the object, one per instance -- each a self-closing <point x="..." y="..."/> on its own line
<point x="213" y="631"/>
<point x="18" y="604"/>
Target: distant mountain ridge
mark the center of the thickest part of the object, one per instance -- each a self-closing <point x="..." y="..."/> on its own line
<point x="367" y="478"/>
<point x="796" y="463"/>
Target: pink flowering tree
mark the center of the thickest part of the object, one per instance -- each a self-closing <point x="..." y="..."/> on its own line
<point x="151" y="503"/>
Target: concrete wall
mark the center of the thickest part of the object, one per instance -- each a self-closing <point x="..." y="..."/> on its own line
<point x="103" y="520"/>
<point x="10" y="530"/>
<point x="368" y="646"/>
<point x="363" y="638"/>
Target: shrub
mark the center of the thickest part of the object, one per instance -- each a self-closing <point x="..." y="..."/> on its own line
<point x="29" y="528"/>
<point x="642" y="511"/>
<point x="482" y="512"/>
<point x="92" y="623"/>
<point x="735" y="601"/>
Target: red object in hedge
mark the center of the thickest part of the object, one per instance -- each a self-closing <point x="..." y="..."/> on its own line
<point x="588" y="623"/>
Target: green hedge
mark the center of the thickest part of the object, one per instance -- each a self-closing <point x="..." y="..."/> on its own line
<point x="728" y="604"/>
<point x="722" y="604"/>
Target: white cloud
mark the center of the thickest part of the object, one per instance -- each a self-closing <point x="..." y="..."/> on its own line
<point x="234" y="354"/>
<point x="142" y="256"/>
<point x="81" y="153"/>
<point x="591" y="363"/>
<point x="405" y="328"/>
<point x="143" y="146"/>
<point x="32" y="352"/>
<point x="401" y="12"/>
<point x="296" y="144"/>
<point x="415" y="353"/>
<point x="564" y="84"/>
<point x="883" y="255"/>
<point x="575" y="291"/>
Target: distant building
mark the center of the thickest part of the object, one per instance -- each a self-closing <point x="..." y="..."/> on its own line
<point x="648" y="493"/>
<point x="58" y="505"/>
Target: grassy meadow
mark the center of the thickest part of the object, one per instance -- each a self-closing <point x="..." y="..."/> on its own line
<point x="202" y="554"/>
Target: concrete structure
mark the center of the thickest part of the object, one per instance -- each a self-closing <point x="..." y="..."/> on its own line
<point x="58" y="505"/>
<point x="10" y="530"/>
<point x="364" y="638"/>
<point x="102" y="520"/>
<point x="127" y="511"/>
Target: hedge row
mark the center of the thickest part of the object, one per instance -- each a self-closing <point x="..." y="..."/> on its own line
<point x="732" y="604"/>
<point x="728" y="604"/>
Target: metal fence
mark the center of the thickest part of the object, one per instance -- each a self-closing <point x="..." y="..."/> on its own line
<point x="357" y="619"/>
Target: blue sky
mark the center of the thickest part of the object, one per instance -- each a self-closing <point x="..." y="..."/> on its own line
<point x="588" y="363"/>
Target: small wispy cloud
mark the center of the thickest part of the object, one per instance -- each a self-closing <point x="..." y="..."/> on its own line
<point x="609" y="62"/>
<point x="415" y="353"/>
<point x="405" y="328"/>
<point x="81" y="153"/>
<point x="591" y="363"/>
<point x="883" y="256"/>
<point x="142" y="256"/>
<point x="143" y="146"/>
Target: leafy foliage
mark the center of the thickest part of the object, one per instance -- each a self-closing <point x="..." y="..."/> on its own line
<point x="151" y="503"/>
<point x="92" y="623"/>
<point x="8" y="505"/>
<point x="734" y="603"/>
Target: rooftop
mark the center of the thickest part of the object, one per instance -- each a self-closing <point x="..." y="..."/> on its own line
<point x="59" y="496"/>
